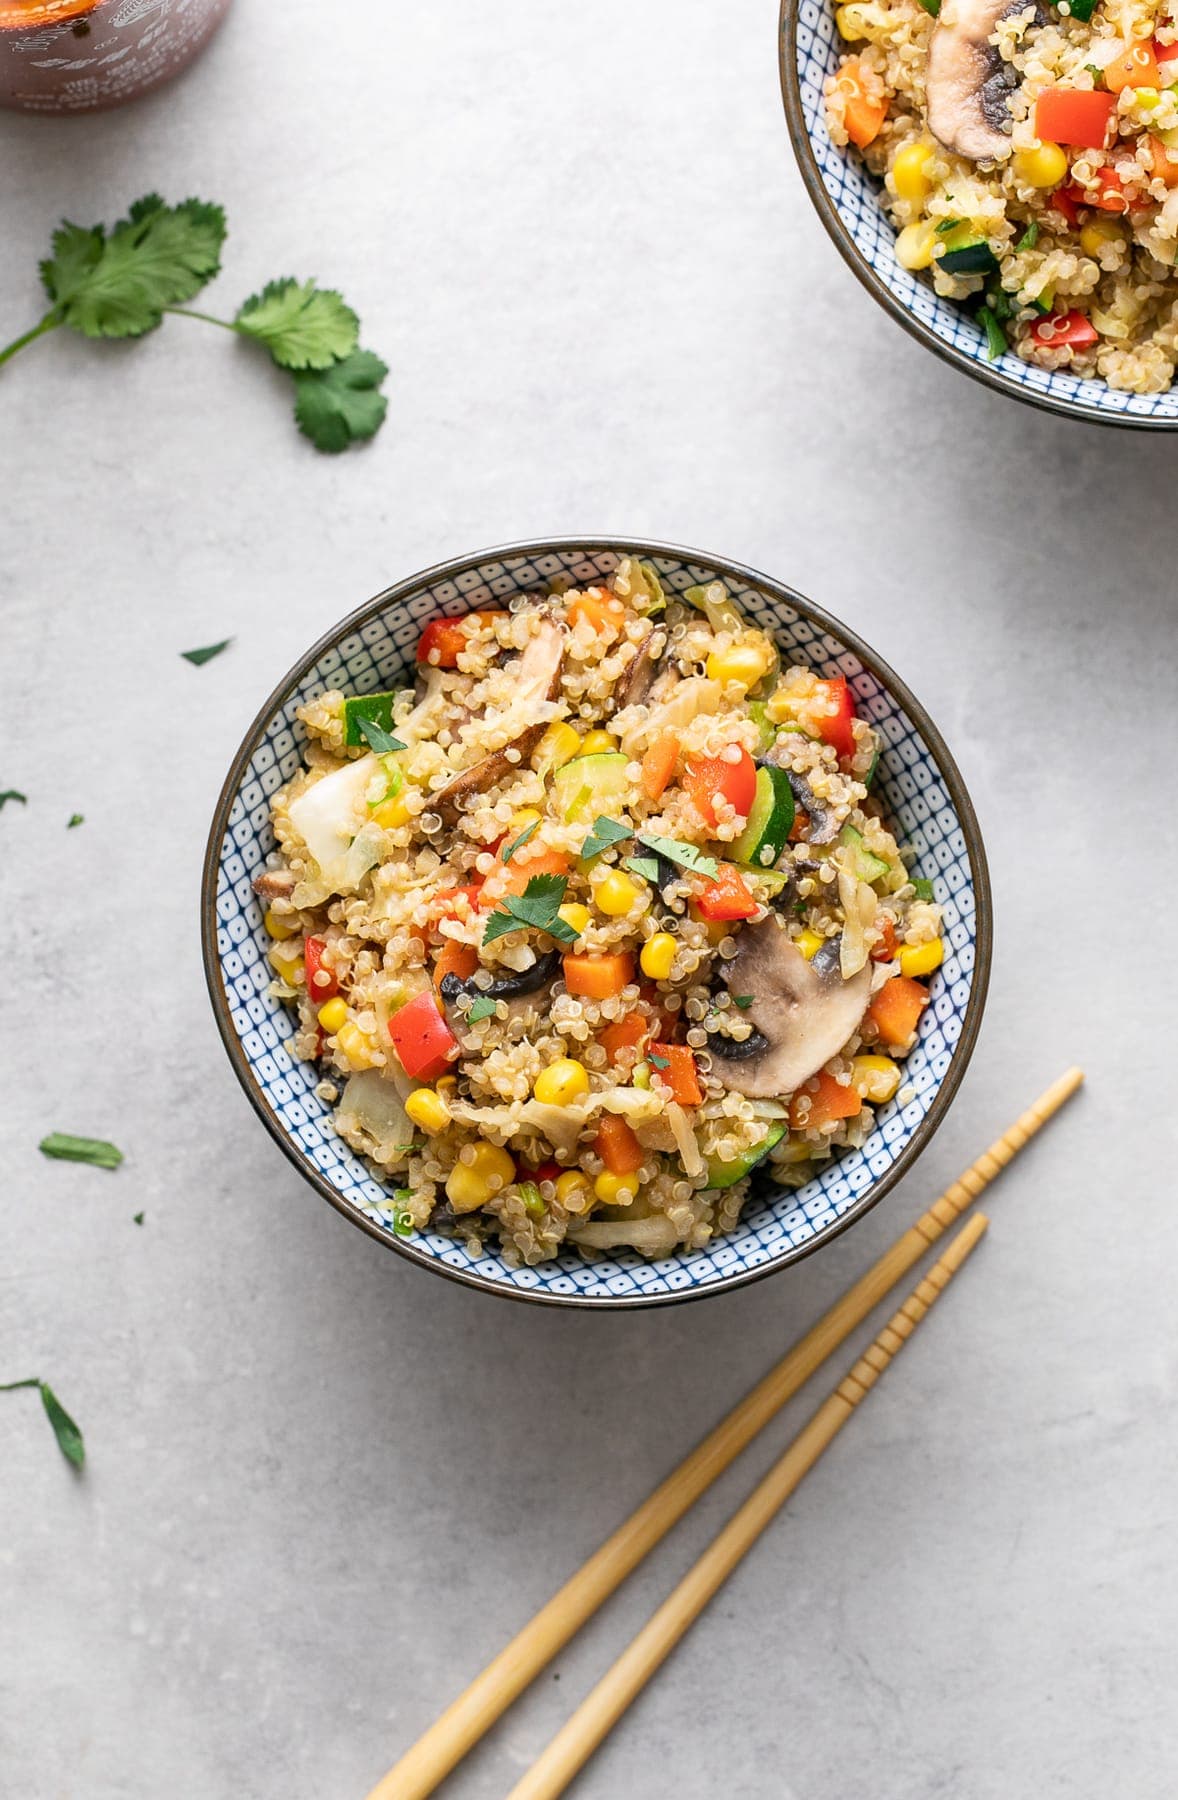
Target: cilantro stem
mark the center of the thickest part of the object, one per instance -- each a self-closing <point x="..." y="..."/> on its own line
<point x="188" y="312"/>
<point x="50" y="322"/>
<point x="10" y="1387"/>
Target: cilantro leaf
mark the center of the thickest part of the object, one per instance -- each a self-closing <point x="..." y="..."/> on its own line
<point x="339" y="406"/>
<point x="302" y="326"/>
<point x="13" y="794"/>
<point x="75" y="819"/>
<point x="656" y="1061"/>
<point x="197" y="657"/>
<point x="139" y="1218"/>
<point x="119" y="286"/>
<point x="377" y="738"/>
<point x="924" y="889"/>
<point x="69" y="1437"/>
<point x="686" y="855"/>
<point x="1030" y="236"/>
<point x="604" y="833"/>
<point x="524" y="837"/>
<point x="481" y="1008"/>
<point x="79" y="1149"/>
<point x="538" y="906"/>
<point x="646" y="866"/>
<point x="742" y="1000"/>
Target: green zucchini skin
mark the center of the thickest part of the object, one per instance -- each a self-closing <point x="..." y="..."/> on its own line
<point x="726" y="1175"/>
<point x="770" y="820"/>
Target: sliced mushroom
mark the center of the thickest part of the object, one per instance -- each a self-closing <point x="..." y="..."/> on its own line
<point x="637" y="681"/>
<point x="275" y="884"/>
<point x="509" y="987"/>
<point x="802" y="1013"/>
<point x="968" y="83"/>
<point x="537" y="680"/>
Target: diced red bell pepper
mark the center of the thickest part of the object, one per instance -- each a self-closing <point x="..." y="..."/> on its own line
<point x="1072" y="329"/>
<point x="548" y="1171"/>
<point x="447" y="637"/>
<point x="321" y="981"/>
<point x="1068" y="201"/>
<point x="422" y="1039"/>
<point x="1109" y="194"/>
<point x="837" y="727"/>
<point x="736" y="782"/>
<point x="1076" y="116"/>
<point x="675" y="1064"/>
<point x="885" y="950"/>
<point x="726" y="897"/>
<point x="1164" y="53"/>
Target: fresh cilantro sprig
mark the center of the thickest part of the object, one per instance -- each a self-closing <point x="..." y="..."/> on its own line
<point x="604" y="833"/>
<point x="525" y="837"/>
<point x="538" y="906"/>
<point x="120" y="284"/>
<point x="69" y="1438"/>
<point x="377" y="738"/>
<point x="688" y="856"/>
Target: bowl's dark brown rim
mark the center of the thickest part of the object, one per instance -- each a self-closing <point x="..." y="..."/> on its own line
<point x="844" y="243"/>
<point x="451" y="569"/>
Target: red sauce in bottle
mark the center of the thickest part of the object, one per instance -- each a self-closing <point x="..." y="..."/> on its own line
<point x="63" y="56"/>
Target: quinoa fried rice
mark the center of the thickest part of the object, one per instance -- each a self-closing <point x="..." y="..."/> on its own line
<point x="1029" y="156"/>
<point x="595" y="921"/>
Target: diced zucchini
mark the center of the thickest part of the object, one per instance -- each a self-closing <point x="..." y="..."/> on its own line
<point x="770" y="820"/>
<point x="968" y="254"/>
<point x="376" y="708"/>
<point x="866" y="866"/>
<point x="758" y="713"/>
<point x="590" y="785"/>
<point x="873" y="771"/>
<point x="727" y="1174"/>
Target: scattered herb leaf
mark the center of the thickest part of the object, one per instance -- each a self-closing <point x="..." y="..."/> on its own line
<point x="378" y="739"/>
<point x="948" y="225"/>
<point x="932" y="7"/>
<point x="1096" y="72"/>
<point x="95" y="1151"/>
<point x="538" y="906"/>
<point x="1030" y="236"/>
<point x="139" y="1218"/>
<point x="341" y="405"/>
<point x="301" y="325"/>
<point x="69" y="1437"/>
<point x="742" y="1000"/>
<point x="996" y="344"/>
<point x="605" y="832"/>
<point x="525" y="837"/>
<point x="75" y="819"/>
<point x="646" y="866"/>
<point x="120" y="286"/>
<point x="13" y="794"/>
<point x="656" y="1061"/>
<point x="686" y="855"/>
<point x="481" y="1008"/>
<point x="197" y="657"/>
<point x="924" y="889"/>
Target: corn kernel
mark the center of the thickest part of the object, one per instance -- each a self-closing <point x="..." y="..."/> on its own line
<point x="615" y="1190"/>
<point x="658" y="953"/>
<point x="357" y="1049"/>
<point x="1097" y="234"/>
<point x="281" y="929"/>
<point x="875" y="1078"/>
<point x="572" y="1186"/>
<point x="332" y="1014"/>
<point x="743" y="663"/>
<point x="527" y="815"/>
<point x="810" y="943"/>
<point x="616" y="894"/>
<point x="597" y="743"/>
<point x="915" y="245"/>
<point x="558" y="746"/>
<point x="471" y="1185"/>
<point x="391" y="812"/>
<point x="427" y="1108"/>
<point x="575" y="915"/>
<point x="910" y="172"/>
<point x="1041" y="168"/>
<point x="922" y="959"/>
<point x="562" y="1082"/>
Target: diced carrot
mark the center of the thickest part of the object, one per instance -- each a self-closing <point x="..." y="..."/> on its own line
<point x="829" y="1100"/>
<point x="599" y="609"/>
<point x="896" y="1009"/>
<point x="626" y="1033"/>
<point x="598" y="977"/>
<point x="861" y="116"/>
<point x="514" y="877"/>
<point x="724" y="898"/>
<point x="618" y="1147"/>
<point x="443" y="640"/>
<point x="455" y="959"/>
<point x="679" y="1072"/>
<point x="658" y="765"/>
<point x="1136" y="67"/>
<point x="1165" y="166"/>
<point x="886" y="948"/>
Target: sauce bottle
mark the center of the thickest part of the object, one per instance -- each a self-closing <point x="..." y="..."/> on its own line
<point x="66" y="56"/>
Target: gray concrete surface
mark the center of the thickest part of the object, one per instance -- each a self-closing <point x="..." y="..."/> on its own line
<point x="323" y="1487"/>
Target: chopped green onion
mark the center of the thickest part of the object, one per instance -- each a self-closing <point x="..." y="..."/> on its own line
<point x="525" y="835"/>
<point x="95" y="1151"/>
<point x="534" y="1206"/>
<point x="948" y="225"/>
<point x="996" y="344"/>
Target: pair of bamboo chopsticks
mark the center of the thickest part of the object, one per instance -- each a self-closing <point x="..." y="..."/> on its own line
<point x="489" y="1695"/>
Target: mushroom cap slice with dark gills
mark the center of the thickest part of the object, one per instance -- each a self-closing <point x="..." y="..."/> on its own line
<point x="968" y="85"/>
<point x="802" y="1013"/>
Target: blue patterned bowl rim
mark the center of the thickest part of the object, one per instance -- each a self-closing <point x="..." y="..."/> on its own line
<point x="957" y="341"/>
<point x="458" y="571"/>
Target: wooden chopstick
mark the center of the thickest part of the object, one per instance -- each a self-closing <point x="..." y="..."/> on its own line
<point x="579" y="1737"/>
<point x="467" y="1718"/>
